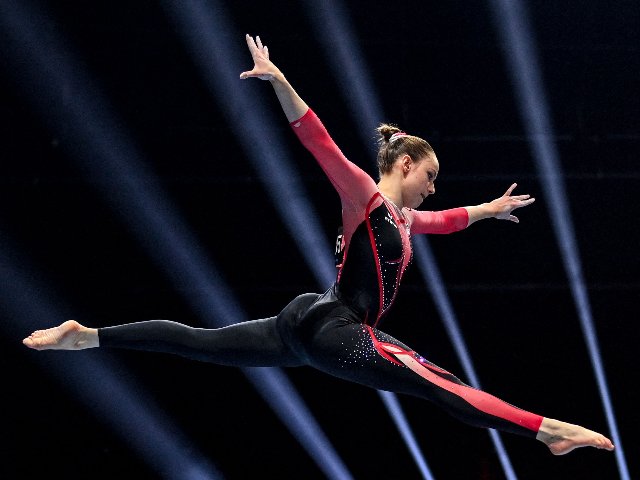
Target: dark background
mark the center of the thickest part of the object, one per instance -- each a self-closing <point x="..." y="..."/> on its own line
<point x="439" y="70"/>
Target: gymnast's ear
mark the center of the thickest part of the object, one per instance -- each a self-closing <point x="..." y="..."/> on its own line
<point x="407" y="163"/>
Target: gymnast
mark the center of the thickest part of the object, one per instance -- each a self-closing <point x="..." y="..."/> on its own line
<point x="337" y="331"/>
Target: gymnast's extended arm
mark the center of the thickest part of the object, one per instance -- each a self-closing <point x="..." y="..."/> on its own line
<point x="294" y="107"/>
<point x="354" y="186"/>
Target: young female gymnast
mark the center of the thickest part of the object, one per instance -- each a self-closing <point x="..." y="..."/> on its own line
<point x="337" y="331"/>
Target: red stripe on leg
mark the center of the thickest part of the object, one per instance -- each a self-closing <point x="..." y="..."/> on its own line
<point x="379" y="346"/>
<point x="480" y="400"/>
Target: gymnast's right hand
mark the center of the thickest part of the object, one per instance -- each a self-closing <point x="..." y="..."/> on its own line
<point x="263" y="68"/>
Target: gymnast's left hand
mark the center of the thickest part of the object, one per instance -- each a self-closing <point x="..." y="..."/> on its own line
<point x="502" y="207"/>
<point x="263" y="68"/>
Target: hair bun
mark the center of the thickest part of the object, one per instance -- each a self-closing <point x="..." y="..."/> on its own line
<point x="386" y="131"/>
<point x="393" y="143"/>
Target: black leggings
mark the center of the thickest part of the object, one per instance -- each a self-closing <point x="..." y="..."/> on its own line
<point x="322" y="332"/>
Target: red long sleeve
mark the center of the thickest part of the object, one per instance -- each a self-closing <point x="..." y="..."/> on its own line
<point x="444" y="221"/>
<point x="353" y="184"/>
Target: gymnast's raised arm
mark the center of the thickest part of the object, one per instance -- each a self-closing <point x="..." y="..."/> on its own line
<point x="264" y="69"/>
<point x="354" y="185"/>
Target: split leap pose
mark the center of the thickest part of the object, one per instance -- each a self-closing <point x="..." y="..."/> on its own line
<point x="337" y="331"/>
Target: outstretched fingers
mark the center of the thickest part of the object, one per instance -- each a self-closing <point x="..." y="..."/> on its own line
<point x="251" y="43"/>
<point x="520" y="197"/>
<point x="507" y="203"/>
<point x="516" y="201"/>
<point x="522" y="201"/>
<point x="262" y="48"/>
<point x="510" y="189"/>
<point x="262" y="67"/>
<point x="255" y="46"/>
<point x="515" y="197"/>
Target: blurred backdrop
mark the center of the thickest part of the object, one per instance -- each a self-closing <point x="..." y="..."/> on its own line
<point x="140" y="180"/>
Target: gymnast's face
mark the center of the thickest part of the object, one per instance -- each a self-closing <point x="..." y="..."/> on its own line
<point x="419" y="179"/>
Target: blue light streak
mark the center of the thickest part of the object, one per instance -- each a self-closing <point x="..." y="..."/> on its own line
<point x="512" y="22"/>
<point x="204" y="27"/>
<point x="332" y="26"/>
<point x="206" y="32"/>
<point x="397" y="414"/>
<point x="108" y="156"/>
<point x="92" y="379"/>
<point x="334" y="30"/>
<point x="431" y="275"/>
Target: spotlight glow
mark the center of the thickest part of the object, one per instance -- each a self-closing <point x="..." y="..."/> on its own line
<point x="512" y="22"/>
<point x="204" y="27"/>
<point x="93" y="379"/>
<point x="431" y="275"/>
<point x="206" y="35"/>
<point x="333" y="29"/>
<point x="108" y="156"/>
<point x="391" y="402"/>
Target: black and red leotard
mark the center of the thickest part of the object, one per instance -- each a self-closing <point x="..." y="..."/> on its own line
<point x="336" y="332"/>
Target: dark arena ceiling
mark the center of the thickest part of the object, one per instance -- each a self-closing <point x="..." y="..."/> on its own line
<point x="105" y="102"/>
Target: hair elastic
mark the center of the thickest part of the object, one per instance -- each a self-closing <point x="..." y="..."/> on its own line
<point x="396" y="136"/>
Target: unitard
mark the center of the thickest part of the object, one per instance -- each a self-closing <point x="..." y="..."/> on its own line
<point x="337" y="332"/>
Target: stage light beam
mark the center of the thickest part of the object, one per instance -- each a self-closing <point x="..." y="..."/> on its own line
<point x="206" y="34"/>
<point x="332" y="26"/>
<point x="104" y="151"/>
<point x="93" y="380"/>
<point x="511" y="19"/>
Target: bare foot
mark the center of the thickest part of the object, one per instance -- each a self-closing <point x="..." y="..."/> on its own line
<point x="563" y="437"/>
<point x="68" y="336"/>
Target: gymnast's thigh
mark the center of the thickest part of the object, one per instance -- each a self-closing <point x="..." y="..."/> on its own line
<point x="344" y="349"/>
<point x="353" y="351"/>
<point x="368" y="356"/>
